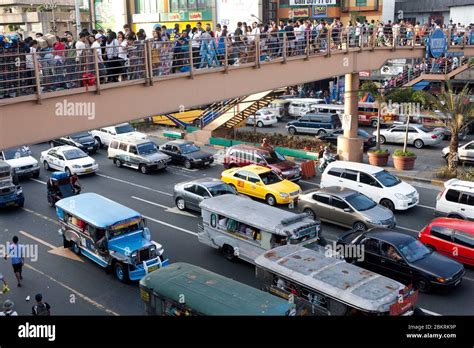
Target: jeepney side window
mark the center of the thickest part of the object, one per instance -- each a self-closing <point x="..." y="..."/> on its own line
<point x="314" y="298"/>
<point x="277" y="241"/>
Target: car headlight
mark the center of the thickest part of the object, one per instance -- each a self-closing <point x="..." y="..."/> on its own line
<point x="19" y="191"/>
<point x="441" y="280"/>
<point x="374" y="222"/>
<point x="400" y="196"/>
<point x="284" y="195"/>
<point x="76" y="166"/>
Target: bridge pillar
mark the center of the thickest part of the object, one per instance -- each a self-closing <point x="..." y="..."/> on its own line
<point x="349" y="146"/>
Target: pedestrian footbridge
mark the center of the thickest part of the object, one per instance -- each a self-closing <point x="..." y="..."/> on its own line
<point x="45" y="113"/>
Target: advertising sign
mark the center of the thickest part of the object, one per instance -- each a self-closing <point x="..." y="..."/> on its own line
<point x="438" y="43"/>
<point x="195" y="16"/>
<point x="311" y="2"/>
<point x="320" y="11"/>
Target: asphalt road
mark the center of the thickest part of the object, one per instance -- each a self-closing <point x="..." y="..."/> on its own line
<point x="77" y="286"/>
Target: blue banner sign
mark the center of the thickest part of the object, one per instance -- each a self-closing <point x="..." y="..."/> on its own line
<point x="438" y="43"/>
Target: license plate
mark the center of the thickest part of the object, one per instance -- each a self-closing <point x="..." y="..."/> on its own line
<point x="206" y="163"/>
<point x="152" y="268"/>
<point x="88" y="170"/>
<point x="9" y="204"/>
<point x="90" y="148"/>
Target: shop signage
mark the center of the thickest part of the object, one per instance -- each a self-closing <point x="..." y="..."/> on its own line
<point x="320" y="11"/>
<point x="438" y="43"/>
<point x="195" y="16"/>
<point x="311" y="2"/>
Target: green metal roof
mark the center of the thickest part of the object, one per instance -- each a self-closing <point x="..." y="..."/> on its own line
<point x="211" y="294"/>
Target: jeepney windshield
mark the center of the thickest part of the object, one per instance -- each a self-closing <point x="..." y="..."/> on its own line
<point x="303" y="234"/>
<point x="116" y="232"/>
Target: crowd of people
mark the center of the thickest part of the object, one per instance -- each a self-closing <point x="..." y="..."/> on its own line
<point x="105" y="56"/>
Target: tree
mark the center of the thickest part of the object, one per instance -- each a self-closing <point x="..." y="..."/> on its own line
<point x="459" y="112"/>
<point x="378" y="94"/>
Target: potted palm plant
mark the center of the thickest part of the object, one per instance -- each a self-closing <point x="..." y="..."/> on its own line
<point x="404" y="159"/>
<point x="377" y="157"/>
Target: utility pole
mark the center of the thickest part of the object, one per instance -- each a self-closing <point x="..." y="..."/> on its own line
<point x="78" y="16"/>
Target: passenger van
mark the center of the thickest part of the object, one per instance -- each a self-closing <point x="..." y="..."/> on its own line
<point x="328" y="109"/>
<point x="140" y="154"/>
<point x="301" y="106"/>
<point x="181" y="289"/>
<point x="243" y="228"/>
<point x="280" y="107"/>
<point x="321" y="283"/>
<point x="110" y="234"/>
<point x="319" y="124"/>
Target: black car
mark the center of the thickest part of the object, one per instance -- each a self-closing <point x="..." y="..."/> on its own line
<point x="402" y="257"/>
<point x="83" y="141"/>
<point x="369" y="140"/>
<point x="187" y="153"/>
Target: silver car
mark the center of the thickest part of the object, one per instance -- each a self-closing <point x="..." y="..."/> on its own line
<point x="418" y="135"/>
<point x="346" y="207"/>
<point x="188" y="195"/>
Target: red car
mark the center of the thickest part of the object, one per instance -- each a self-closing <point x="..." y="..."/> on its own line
<point x="451" y="237"/>
<point x="244" y="155"/>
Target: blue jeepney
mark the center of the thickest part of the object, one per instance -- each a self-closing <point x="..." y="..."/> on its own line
<point x="11" y="194"/>
<point x="110" y="234"/>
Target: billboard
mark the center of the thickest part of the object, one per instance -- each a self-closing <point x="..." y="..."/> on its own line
<point x="229" y="12"/>
<point x="311" y="2"/>
<point x="110" y="14"/>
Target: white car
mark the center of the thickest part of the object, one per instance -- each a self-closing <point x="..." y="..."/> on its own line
<point x="418" y="135"/>
<point x="68" y="159"/>
<point x="465" y="152"/>
<point x="262" y="118"/>
<point x="374" y="182"/>
<point x="105" y="135"/>
<point x="21" y="161"/>
<point x="456" y="200"/>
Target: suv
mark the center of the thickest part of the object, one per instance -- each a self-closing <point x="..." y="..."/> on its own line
<point x="244" y="155"/>
<point x="105" y="135"/>
<point x="139" y="154"/>
<point x="456" y="200"/>
<point x="11" y="194"/>
<point x="318" y="124"/>
<point x="83" y="141"/>
<point x="21" y="161"/>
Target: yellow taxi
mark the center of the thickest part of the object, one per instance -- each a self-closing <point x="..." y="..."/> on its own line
<point x="263" y="183"/>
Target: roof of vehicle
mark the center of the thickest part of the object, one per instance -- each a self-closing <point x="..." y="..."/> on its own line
<point x="96" y="210"/>
<point x="333" y="276"/>
<point x="59" y="175"/>
<point x="463" y="185"/>
<point x="178" y="142"/>
<point x="4" y="166"/>
<point x="206" y="182"/>
<point x="389" y="236"/>
<point x="367" y="168"/>
<point x="250" y="147"/>
<point x="132" y="139"/>
<point x="464" y="225"/>
<point x="253" y="168"/>
<point x="339" y="191"/>
<point x="64" y="148"/>
<point x="209" y="293"/>
<point x="256" y="214"/>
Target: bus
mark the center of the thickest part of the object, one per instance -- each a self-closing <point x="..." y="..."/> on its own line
<point x="182" y="289"/>
<point x="368" y="115"/>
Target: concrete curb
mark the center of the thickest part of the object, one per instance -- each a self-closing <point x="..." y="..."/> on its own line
<point x="422" y="180"/>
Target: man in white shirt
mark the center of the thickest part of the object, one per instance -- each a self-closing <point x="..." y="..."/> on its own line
<point x="96" y="45"/>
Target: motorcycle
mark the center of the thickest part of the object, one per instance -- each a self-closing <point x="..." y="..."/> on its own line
<point x="59" y="187"/>
<point x="324" y="161"/>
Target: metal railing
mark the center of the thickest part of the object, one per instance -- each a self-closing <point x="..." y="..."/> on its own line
<point x="35" y="75"/>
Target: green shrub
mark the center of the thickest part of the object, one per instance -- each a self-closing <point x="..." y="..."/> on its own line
<point x="400" y="153"/>
<point x="379" y="152"/>
<point x="462" y="174"/>
<point x="298" y="142"/>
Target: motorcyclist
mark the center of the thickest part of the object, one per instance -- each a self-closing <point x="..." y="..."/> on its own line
<point x="53" y="189"/>
<point x="75" y="183"/>
<point x="327" y="158"/>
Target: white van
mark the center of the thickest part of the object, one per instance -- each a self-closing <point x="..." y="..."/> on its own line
<point x="333" y="109"/>
<point x="456" y="200"/>
<point x="139" y="154"/>
<point x="105" y="135"/>
<point x="300" y="107"/>
<point x="374" y="182"/>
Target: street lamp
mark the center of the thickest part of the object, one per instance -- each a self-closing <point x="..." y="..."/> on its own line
<point x="52" y="5"/>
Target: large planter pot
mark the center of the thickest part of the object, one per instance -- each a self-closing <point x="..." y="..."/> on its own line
<point x="404" y="162"/>
<point x="378" y="159"/>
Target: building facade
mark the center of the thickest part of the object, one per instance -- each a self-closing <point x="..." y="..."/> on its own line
<point x="29" y="17"/>
<point x="442" y="11"/>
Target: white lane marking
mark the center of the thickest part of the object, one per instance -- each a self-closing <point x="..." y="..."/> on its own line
<point x="152" y="203"/>
<point x="170" y="225"/>
<point x="430" y="312"/>
<point x="133" y="184"/>
<point x="38" y="181"/>
<point x="81" y="295"/>
<point x="310" y="183"/>
<point x="425" y="206"/>
<point x="38" y="240"/>
<point x="173" y="210"/>
<point x="41" y="216"/>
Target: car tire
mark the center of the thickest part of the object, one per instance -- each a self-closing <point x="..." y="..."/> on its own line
<point x="271" y="200"/>
<point x="387" y="203"/>
<point x="382" y="139"/>
<point x="46" y="165"/>
<point x="22" y="204"/>
<point x="229" y="252"/>
<point x="310" y="213"/>
<point x="321" y="132"/>
<point x="233" y="186"/>
<point x="422" y="284"/>
<point x="359" y="226"/>
<point x="180" y="203"/>
<point x="187" y="164"/>
<point x="143" y="169"/>
<point x="260" y="124"/>
<point x="118" y="163"/>
<point x="418" y="143"/>
<point x="68" y="171"/>
<point x="99" y="142"/>
<point x="292" y="131"/>
<point x="374" y="123"/>
<point x="36" y="175"/>
<point x="51" y="144"/>
<point x="75" y="248"/>
<point x="121" y="272"/>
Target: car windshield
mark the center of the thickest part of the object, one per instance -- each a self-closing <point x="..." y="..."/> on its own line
<point x="74" y="154"/>
<point x="272" y="157"/>
<point x="387" y="179"/>
<point x="147" y="149"/>
<point x="414" y="250"/>
<point x="126" y="128"/>
<point x="270" y="178"/>
<point x="124" y="230"/>
<point x="17" y="153"/>
<point x="360" y="202"/>
<point x="265" y="112"/>
<point x="189" y="148"/>
<point x="220" y="190"/>
<point x="80" y="135"/>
